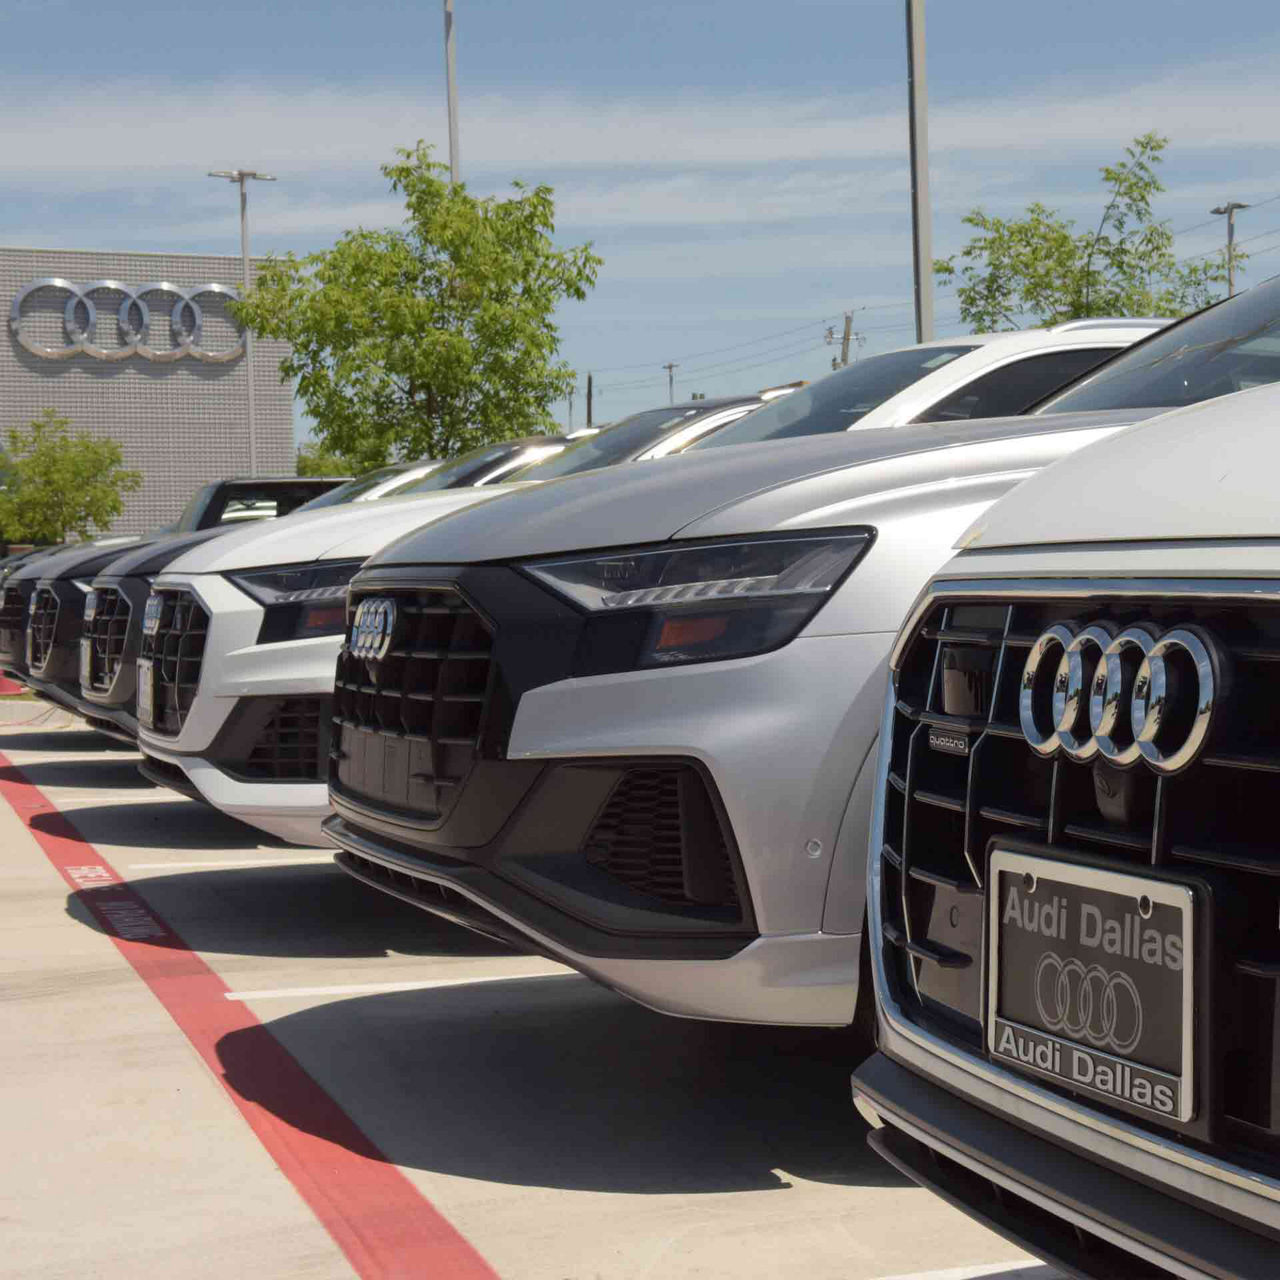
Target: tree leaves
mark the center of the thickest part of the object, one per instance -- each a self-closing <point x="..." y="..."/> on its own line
<point x="431" y="338"/>
<point x="57" y="483"/>
<point x="1039" y="268"/>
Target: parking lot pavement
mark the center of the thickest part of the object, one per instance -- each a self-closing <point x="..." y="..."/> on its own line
<point x="227" y="1057"/>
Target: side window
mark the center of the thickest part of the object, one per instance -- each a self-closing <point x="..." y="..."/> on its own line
<point x="249" y="506"/>
<point x="1015" y="387"/>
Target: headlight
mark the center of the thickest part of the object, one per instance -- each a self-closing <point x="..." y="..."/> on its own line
<point x="656" y="606"/>
<point x="301" y="600"/>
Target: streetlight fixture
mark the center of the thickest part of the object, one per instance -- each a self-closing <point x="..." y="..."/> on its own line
<point x="1230" y="210"/>
<point x="243" y="176"/>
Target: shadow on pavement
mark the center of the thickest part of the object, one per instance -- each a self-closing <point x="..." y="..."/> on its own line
<point x="67" y="740"/>
<point x="309" y="910"/>
<point x="554" y="1082"/>
<point x="172" y="825"/>
<point x="115" y="773"/>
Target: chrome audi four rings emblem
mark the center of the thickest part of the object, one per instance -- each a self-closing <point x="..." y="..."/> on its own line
<point x="1088" y="1003"/>
<point x="1124" y="696"/>
<point x="372" y="628"/>
<point x="133" y="320"/>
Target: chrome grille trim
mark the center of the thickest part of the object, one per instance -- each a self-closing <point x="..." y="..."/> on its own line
<point x="106" y="632"/>
<point x="966" y="1072"/>
<point x="42" y="627"/>
<point x="177" y="650"/>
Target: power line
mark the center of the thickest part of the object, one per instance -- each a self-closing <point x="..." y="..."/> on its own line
<point x="1247" y="240"/>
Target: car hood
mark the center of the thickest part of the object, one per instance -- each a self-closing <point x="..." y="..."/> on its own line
<point x="1206" y="471"/>
<point x="737" y="490"/>
<point x="332" y="533"/>
<point x="153" y="556"/>
<point x="83" y="561"/>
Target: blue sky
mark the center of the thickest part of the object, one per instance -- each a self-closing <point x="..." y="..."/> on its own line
<point x="741" y="166"/>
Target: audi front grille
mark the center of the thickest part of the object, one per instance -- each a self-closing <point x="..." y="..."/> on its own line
<point x="408" y="715"/>
<point x="973" y="756"/>
<point x="105" y="635"/>
<point x="13" y="624"/>
<point x="42" y="628"/>
<point x="176" y="650"/>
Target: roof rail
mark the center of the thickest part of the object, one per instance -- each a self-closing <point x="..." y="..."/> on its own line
<point x="1112" y="322"/>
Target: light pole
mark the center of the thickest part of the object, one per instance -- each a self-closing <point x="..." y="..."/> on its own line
<point x="449" y="70"/>
<point x="918" y="128"/>
<point x="1230" y="210"/>
<point x="242" y="176"/>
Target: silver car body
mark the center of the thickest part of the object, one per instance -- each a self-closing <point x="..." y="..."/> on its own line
<point x="1177" y="511"/>
<point x="785" y="736"/>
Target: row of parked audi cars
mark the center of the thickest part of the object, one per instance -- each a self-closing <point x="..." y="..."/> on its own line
<point x="646" y="702"/>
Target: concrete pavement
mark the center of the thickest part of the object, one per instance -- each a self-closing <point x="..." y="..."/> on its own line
<point x="318" y="1037"/>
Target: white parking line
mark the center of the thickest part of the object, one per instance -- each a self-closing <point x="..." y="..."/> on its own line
<point x="322" y="860"/>
<point x="372" y="988"/>
<point x="993" y="1270"/>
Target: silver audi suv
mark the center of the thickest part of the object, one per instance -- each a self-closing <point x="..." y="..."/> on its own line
<point x="1074" y="880"/>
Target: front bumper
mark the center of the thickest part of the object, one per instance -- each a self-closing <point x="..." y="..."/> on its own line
<point x="240" y="682"/>
<point x="1081" y="1216"/>
<point x="780" y="756"/>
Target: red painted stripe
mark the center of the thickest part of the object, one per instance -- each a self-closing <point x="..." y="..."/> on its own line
<point x="387" y="1229"/>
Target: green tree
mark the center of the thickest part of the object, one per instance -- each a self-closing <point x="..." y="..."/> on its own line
<point x="57" y="483"/>
<point x="431" y="338"/>
<point x="315" y="460"/>
<point x="1038" y="269"/>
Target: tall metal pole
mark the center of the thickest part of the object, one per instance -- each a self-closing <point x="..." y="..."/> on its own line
<point x="921" y="214"/>
<point x="671" y="381"/>
<point x="1230" y="210"/>
<point x="248" y="333"/>
<point x="450" y="67"/>
<point x="241" y="177"/>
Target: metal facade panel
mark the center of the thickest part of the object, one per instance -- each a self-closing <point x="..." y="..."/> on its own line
<point x="182" y="423"/>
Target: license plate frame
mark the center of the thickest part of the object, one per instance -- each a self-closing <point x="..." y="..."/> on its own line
<point x="146" y="693"/>
<point x="1123" y="1073"/>
<point x="86" y="662"/>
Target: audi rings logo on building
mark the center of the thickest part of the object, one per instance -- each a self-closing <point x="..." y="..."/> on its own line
<point x="80" y="321"/>
<point x="1089" y="1003"/>
<point x="1123" y="696"/>
<point x="372" y="629"/>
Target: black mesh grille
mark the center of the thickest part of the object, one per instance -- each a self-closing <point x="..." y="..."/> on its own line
<point x="658" y="834"/>
<point x="103" y="638"/>
<point x="13" y="624"/>
<point x="42" y="628"/>
<point x="176" y="650"/>
<point x="294" y="742"/>
<point x="943" y="807"/>
<point x="407" y="726"/>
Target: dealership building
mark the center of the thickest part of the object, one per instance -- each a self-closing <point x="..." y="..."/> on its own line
<point x="141" y="348"/>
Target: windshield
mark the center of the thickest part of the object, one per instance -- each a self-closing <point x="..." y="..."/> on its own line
<point x="1230" y="347"/>
<point x="356" y="488"/>
<point x="613" y="444"/>
<point x="463" y="469"/>
<point x="839" y="400"/>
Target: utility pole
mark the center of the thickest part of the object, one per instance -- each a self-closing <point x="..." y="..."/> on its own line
<point x="242" y="176"/>
<point x="1229" y="208"/>
<point x="921" y="213"/>
<point x="671" y="381"/>
<point x="846" y="338"/>
<point x="572" y="389"/>
<point x="589" y="390"/>
<point x="450" y="68"/>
